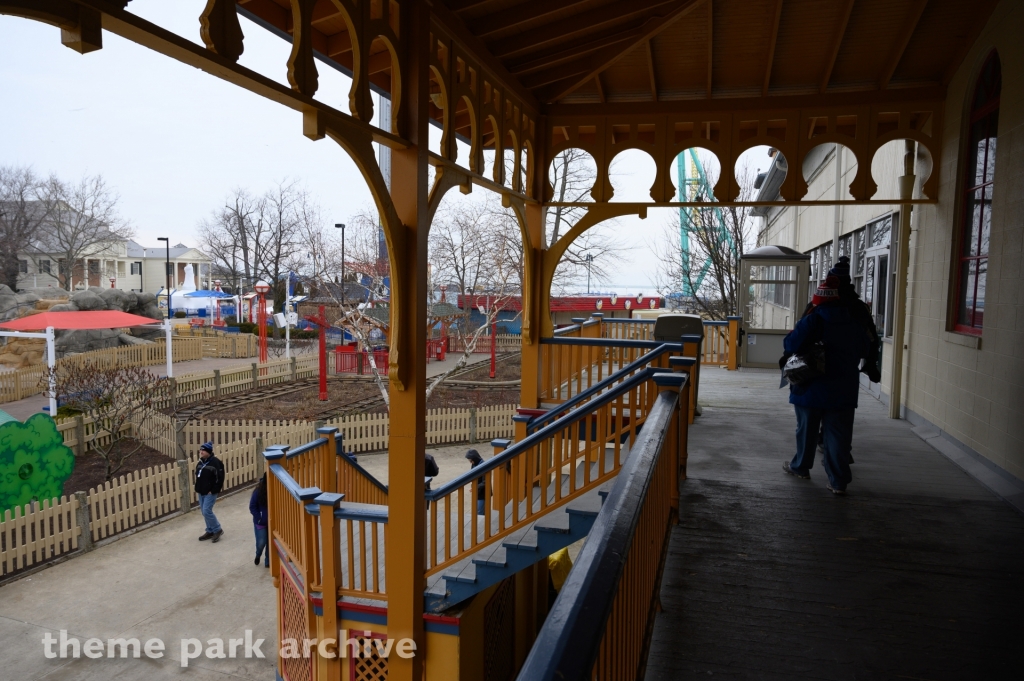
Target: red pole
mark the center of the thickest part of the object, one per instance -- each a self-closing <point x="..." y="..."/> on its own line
<point x="494" y="340"/>
<point x="261" y="319"/>
<point x="323" y="354"/>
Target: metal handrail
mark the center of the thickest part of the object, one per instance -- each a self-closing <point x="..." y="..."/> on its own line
<point x="537" y="421"/>
<point x="570" y="640"/>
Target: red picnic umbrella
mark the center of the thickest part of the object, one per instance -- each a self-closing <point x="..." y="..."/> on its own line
<point x="97" y="319"/>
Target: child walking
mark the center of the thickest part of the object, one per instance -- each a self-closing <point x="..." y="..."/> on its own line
<point x="258" y="508"/>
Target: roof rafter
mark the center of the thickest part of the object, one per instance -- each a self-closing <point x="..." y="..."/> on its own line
<point x="711" y="46"/>
<point x="591" y="65"/>
<point x="982" y="15"/>
<point x="771" y="48"/>
<point x="650" y="70"/>
<point x="559" y="31"/>
<point x="900" y="46"/>
<point x="518" y="15"/>
<point x="836" y="44"/>
<point x="574" y="51"/>
<point x="600" y="87"/>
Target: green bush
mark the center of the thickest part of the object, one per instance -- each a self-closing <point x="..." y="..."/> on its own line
<point x="34" y="462"/>
<point x="180" y="314"/>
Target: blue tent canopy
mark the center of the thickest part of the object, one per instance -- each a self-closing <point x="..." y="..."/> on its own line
<point x="208" y="294"/>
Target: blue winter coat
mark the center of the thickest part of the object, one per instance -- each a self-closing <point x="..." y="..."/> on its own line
<point x="847" y="341"/>
<point x="258" y="510"/>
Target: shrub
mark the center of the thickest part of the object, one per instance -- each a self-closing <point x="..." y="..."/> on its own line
<point x="180" y="314"/>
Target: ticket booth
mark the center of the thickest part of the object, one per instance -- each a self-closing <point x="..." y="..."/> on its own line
<point x="773" y="294"/>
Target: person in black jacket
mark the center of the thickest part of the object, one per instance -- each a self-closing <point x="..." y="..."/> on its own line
<point x="209" y="482"/>
<point x="481" y="489"/>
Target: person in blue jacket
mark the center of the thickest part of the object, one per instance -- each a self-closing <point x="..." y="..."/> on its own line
<point x="840" y="321"/>
<point x="258" y="509"/>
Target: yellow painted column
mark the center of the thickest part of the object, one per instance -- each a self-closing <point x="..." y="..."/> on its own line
<point x="532" y="307"/>
<point x="734" y="343"/>
<point x="405" y="558"/>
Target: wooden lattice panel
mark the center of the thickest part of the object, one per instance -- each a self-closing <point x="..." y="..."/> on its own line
<point x="294" y="625"/>
<point x="372" y="668"/>
<point x="499" y="633"/>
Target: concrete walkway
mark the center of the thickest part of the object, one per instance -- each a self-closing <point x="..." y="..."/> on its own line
<point x="158" y="583"/>
<point x="918" y="573"/>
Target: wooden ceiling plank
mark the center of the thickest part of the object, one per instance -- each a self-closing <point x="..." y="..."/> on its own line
<point x="771" y="48"/>
<point x="650" y="70"/>
<point x="519" y="15"/>
<point x="551" y="58"/>
<point x="902" y="40"/>
<point x="711" y="48"/>
<point x="605" y="58"/>
<point x="836" y="44"/>
<point x="600" y="87"/>
<point x="984" y="11"/>
<point x="560" y="31"/>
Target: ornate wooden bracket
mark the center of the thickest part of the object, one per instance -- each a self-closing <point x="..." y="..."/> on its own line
<point x="220" y="29"/>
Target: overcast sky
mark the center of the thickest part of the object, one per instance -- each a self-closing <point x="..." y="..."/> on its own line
<point x="174" y="141"/>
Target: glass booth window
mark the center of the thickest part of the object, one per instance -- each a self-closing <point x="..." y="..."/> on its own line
<point x="976" y="220"/>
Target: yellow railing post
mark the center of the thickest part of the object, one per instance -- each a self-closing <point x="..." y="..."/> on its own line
<point x="328" y="460"/>
<point x="331" y="579"/>
<point x="501" y="489"/>
<point x="734" y="343"/>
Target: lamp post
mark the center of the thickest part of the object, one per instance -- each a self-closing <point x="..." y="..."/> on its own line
<point x="262" y="288"/>
<point x="590" y="262"/>
<point x="341" y="226"/>
<point x="167" y="271"/>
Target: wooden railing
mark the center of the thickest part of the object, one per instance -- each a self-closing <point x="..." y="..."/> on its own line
<point x="598" y="626"/>
<point x="571" y="365"/>
<point x="557" y="463"/>
<point x="627" y="329"/>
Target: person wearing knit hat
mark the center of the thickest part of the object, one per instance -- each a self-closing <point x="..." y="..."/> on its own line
<point x="827" y="292"/>
<point x="828" y="402"/>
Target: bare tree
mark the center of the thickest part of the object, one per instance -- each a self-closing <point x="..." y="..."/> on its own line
<point x="119" y="399"/>
<point x="22" y="216"/>
<point x="81" y="220"/>
<point x="462" y="240"/>
<point x="717" y="236"/>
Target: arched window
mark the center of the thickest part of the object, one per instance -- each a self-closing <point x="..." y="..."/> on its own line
<point x="976" y="219"/>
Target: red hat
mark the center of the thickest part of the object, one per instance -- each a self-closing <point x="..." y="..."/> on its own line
<point x="828" y="291"/>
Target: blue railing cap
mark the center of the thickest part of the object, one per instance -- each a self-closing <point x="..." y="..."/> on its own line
<point x="599" y="315"/>
<point x="329" y="499"/>
<point x="691" y="338"/>
<point x="273" y="454"/>
<point x="501" y="442"/>
<point x="307" y="493"/>
<point x="682" y="361"/>
<point x="302" y="449"/>
<point x="521" y="418"/>
<point x="669" y="379"/>
<point x="736" y="317"/>
<point x="578" y="320"/>
<point x="327" y="430"/>
<point x="366" y="512"/>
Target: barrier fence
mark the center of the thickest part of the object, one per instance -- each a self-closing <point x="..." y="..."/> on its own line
<point x="21" y="383"/>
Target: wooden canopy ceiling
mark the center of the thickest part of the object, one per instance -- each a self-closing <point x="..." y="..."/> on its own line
<point x="573" y="52"/>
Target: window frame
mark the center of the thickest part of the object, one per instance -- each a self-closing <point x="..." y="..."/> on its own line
<point x="966" y="189"/>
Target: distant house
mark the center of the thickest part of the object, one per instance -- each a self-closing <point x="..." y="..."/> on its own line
<point x="132" y="267"/>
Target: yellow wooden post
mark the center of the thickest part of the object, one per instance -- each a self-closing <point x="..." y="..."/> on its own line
<point x="328" y="459"/>
<point x="406" y="230"/>
<point x="734" y="343"/>
<point x="676" y="382"/>
<point x="530" y="385"/>
<point x="330" y="552"/>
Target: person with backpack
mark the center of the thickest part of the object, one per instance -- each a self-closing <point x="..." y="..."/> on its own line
<point x="258" y="509"/>
<point x="839" y="327"/>
<point x="209" y="483"/>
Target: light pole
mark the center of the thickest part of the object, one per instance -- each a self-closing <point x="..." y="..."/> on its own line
<point x="341" y="226"/>
<point x="590" y="261"/>
<point x="486" y="311"/>
<point x="262" y="288"/>
<point x="167" y="271"/>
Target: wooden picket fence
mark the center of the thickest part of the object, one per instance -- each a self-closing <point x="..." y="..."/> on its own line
<point x="134" y="499"/>
<point x="22" y="383"/>
<point x="38" y="532"/>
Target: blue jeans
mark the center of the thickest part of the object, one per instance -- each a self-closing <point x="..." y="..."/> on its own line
<point x="261" y="545"/>
<point x="206" y="502"/>
<point x="838" y="426"/>
<point x="480" y="507"/>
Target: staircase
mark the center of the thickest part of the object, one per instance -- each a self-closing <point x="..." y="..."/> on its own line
<point x="561" y="527"/>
